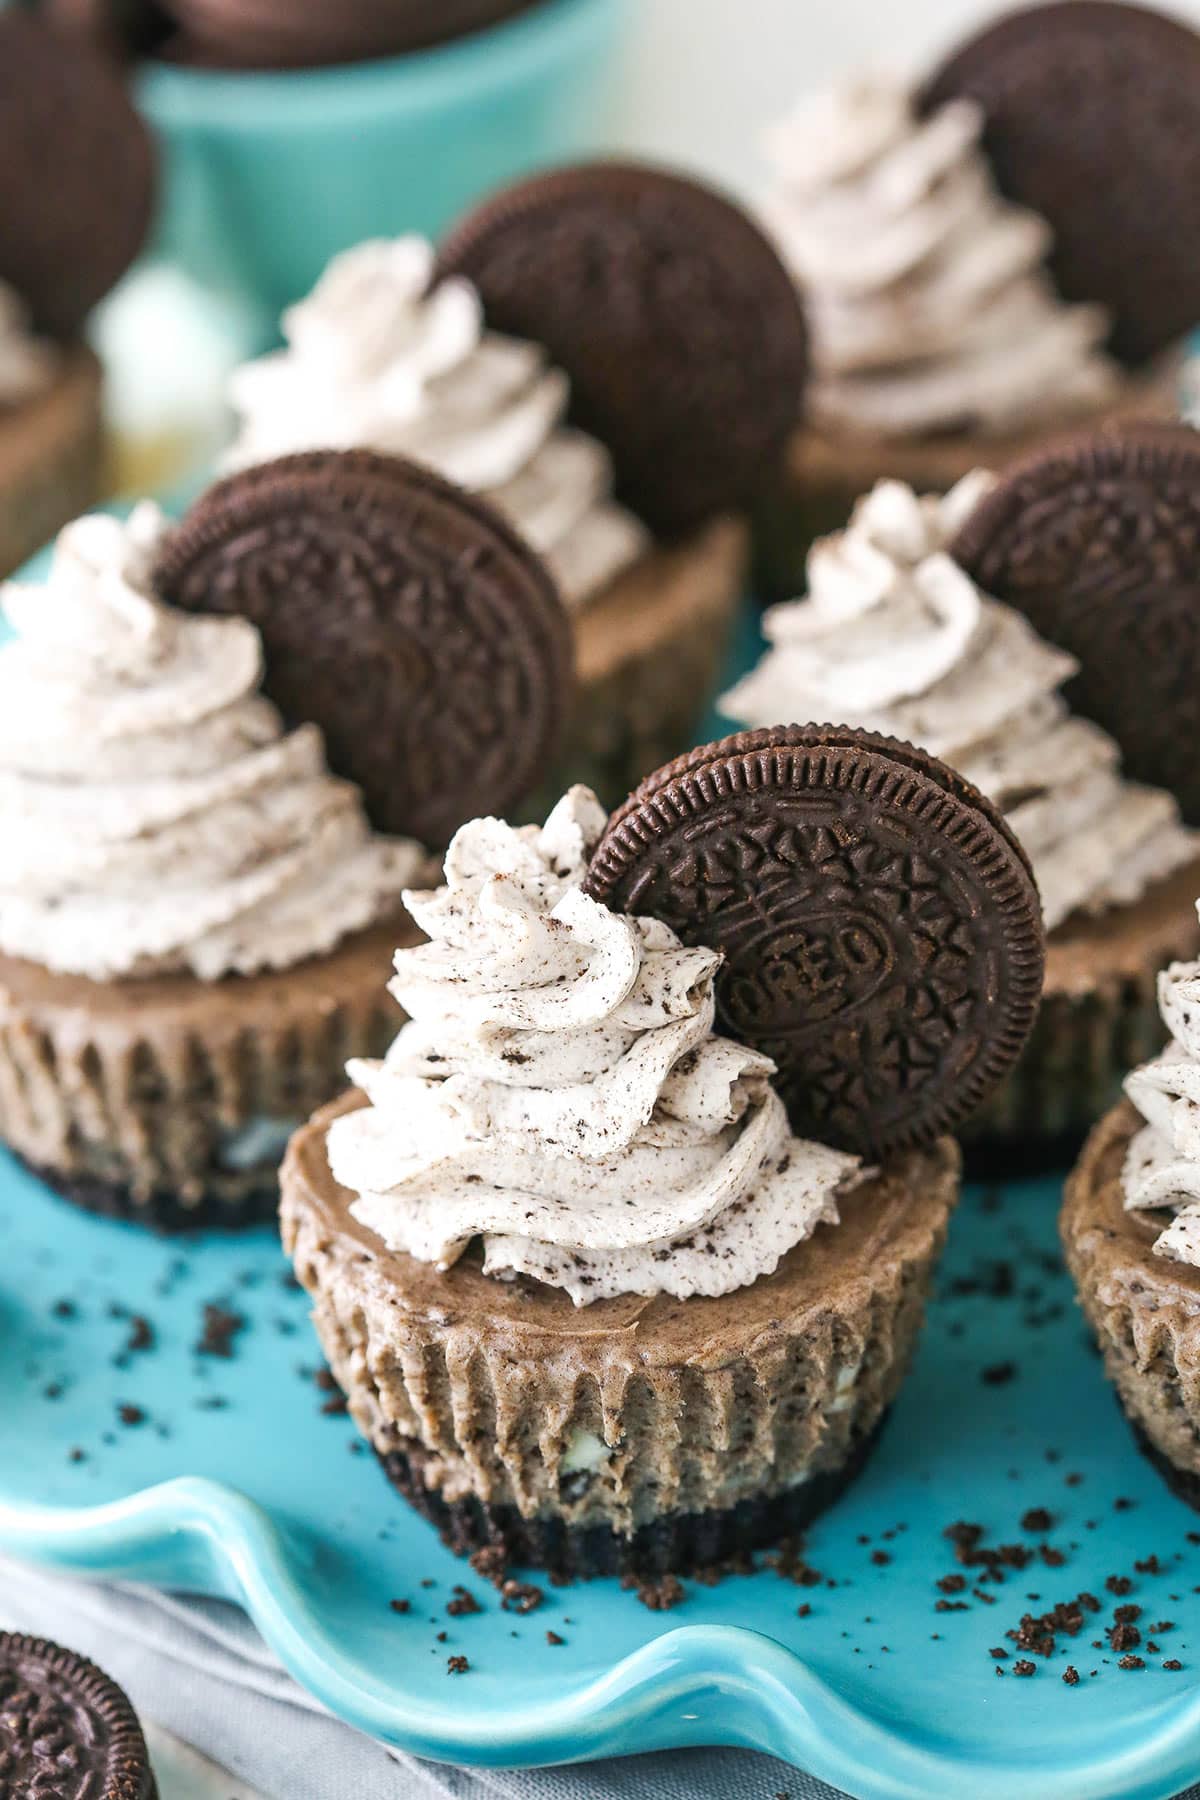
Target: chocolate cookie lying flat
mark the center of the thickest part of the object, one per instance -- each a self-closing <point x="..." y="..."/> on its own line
<point x="1093" y="121"/>
<point x="1097" y="538"/>
<point x="66" y="1730"/>
<point x="880" y="925"/>
<point x="401" y="615"/>
<point x="79" y="173"/>
<point x="678" y="325"/>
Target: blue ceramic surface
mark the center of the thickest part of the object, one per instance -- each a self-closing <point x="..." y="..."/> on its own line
<point x="232" y="1480"/>
<point x="267" y="175"/>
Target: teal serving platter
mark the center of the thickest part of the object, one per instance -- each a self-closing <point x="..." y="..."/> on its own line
<point x="130" y="1451"/>
<point x="229" y="1477"/>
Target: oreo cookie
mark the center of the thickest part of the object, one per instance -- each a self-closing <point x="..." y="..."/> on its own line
<point x="1092" y="116"/>
<point x="79" y="173"/>
<point x="289" y="34"/>
<point x="674" y="318"/>
<point x="1096" y="538"/>
<point x="122" y="29"/>
<point x="881" y="929"/>
<point x="404" y="617"/>
<point x="66" y="1730"/>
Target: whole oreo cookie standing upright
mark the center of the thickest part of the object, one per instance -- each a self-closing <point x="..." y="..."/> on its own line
<point x="66" y="1731"/>
<point x="674" y="318"/>
<point x="1092" y="113"/>
<point x="1097" y="539"/>
<point x="881" y="929"/>
<point x="401" y="615"/>
<point x="79" y="173"/>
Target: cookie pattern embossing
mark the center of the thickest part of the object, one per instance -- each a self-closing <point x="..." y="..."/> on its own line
<point x="400" y="615"/>
<point x="66" y="1731"/>
<point x="879" y="925"/>
<point x="1093" y="120"/>
<point x="674" y="318"/>
<point x="1097" y="540"/>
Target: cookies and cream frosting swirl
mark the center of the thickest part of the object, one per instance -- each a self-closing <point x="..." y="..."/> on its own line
<point x="28" y="364"/>
<point x="381" y="356"/>
<point x="559" y="1091"/>
<point x="894" y="637"/>
<point x="928" y="300"/>
<point x="155" y="814"/>
<point x="1162" y="1164"/>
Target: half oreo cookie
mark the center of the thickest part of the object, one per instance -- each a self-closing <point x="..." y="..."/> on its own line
<point x="1092" y="119"/>
<point x="79" y="173"/>
<point x="678" y="325"/>
<point x="66" y="1730"/>
<point x="1096" y="537"/>
<point x="881" y="929"/>
<point x="402" y="616"/>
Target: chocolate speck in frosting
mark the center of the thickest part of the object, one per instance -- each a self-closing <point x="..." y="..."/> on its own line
<point x="572" y="1038"/>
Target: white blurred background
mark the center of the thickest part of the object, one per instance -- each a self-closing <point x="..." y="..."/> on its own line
<point x="706" y="75"/>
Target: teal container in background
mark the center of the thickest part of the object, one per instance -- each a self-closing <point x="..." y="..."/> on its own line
<point x="268" y="175"/>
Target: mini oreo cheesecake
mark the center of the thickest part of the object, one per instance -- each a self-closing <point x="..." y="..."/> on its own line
<point x="896" y="636"/>
<point x="613" y="356"/>
<point x="596" y="1299"/>
<point x="75" y="211"/>
<point x="1131" y="1233"/>
<point x="67" y="1732"/>
<point x="987" y="257"/>
<point x="196" y="917"/>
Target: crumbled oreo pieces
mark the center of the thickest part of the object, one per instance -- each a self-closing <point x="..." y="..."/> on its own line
<point x="879" y="923"/>
<point x="672" y="315"/>
<point x="401" y="615"/>
<point x="1092" y="120"/>
<point x="66" y="1730"/>
<point x="1096" y="538"/>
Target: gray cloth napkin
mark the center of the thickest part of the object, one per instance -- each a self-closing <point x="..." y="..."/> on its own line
<point x="199" y="1668"/>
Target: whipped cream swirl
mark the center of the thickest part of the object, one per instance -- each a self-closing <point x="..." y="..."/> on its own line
<point x="154" y="813"/>
<point x="28" y="364"/>
<point x="928" y="300"/>
<point x="894" y="637"/>
<point x="559" y="1091"/>
<point x="1162" y="1164"/>
<point x="382" y="357"/>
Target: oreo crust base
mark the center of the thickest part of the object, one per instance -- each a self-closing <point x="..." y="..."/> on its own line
<point x="1183" y="1483"/>
<point x="251" y="1198"/>
<point x="678" y="1543"/>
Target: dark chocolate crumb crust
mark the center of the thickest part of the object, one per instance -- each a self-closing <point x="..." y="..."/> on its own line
<point x="1096" y="537"/>
<point x="404" y="617"/>
<point x="163" y="1211"/>
<point x="676" y="1543"/>
<point x="677" y="323"/>
<point x="66" y="1731"/>
<point x="79" y="173"/>
<point x="881" y="929"/>
<point x="1093" y="120"/>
